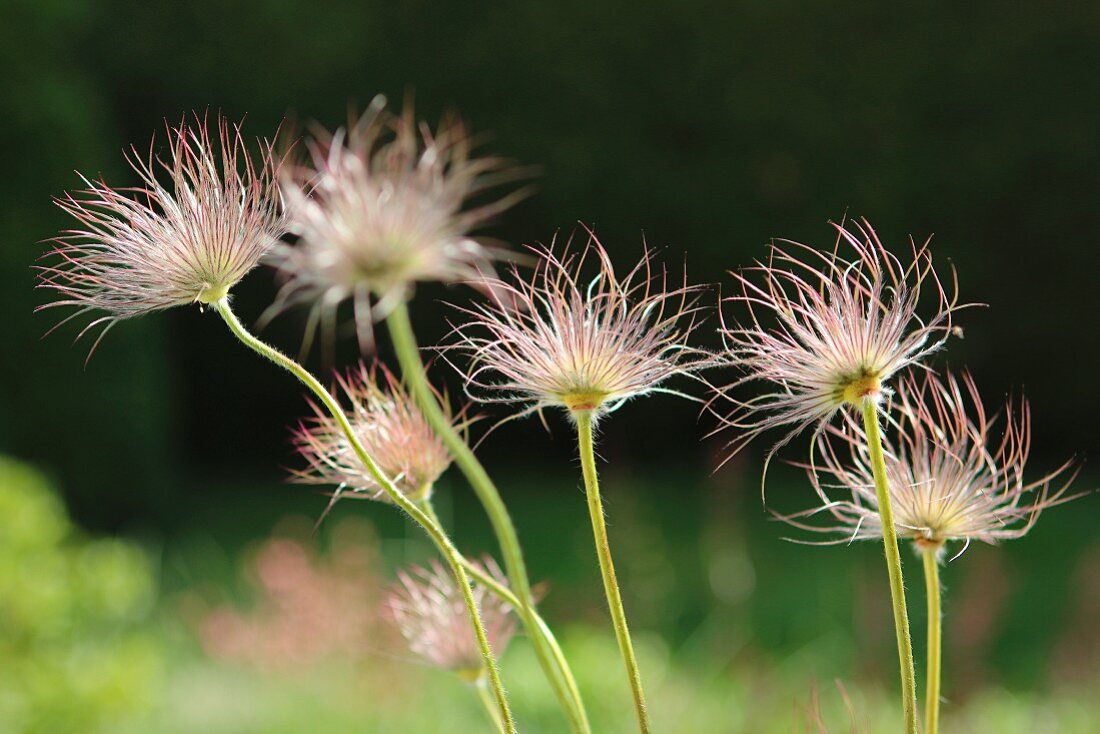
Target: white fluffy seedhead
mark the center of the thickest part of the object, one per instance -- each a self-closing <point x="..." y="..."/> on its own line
<point x="951" y="476"/>
<point x="835" y="330"/>
<point x="555" y="340"/>
<point x="189" y="239"/>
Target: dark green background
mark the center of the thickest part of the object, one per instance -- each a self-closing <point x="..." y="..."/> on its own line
<point x="708" y="126"/>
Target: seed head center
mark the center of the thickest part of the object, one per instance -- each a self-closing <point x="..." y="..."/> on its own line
<point x="859" y="388"/>
<point x="584" y="400"/>
<point x="213" y="293"/>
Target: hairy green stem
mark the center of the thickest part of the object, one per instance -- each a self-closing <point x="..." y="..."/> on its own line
<point x="553" y="664"/>
<point x="486" y="698"/>
<point x="607" y="567"/>
<point x="446" y="548"/>
<point x="935" y="625"/>
<point x="893" y="566"/>
<point x="503" y="592"/>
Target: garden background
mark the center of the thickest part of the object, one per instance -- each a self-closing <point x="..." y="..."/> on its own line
<point x="706" y="129"/>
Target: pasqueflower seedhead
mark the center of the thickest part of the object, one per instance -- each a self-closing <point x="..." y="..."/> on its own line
<point x="382" y="205"/>
<point x="392" y="430"/>
<point x="428" y="608"/>
<point x="841" y="328"/>
<point x="556" y="340"/>
<point x="951" y="477"/>
<point x="158" y="245"/>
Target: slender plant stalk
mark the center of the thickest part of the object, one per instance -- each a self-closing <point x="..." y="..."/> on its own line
<point x="935" y="624"/>
<point x="486" y="698"/>
<point x="504" y="593"/>
<point x="446" y="548"/>
<point x="553" y="664"/>
<point x="543" y="629"/>
<point x="607" y="567"/>
<point x="893" y="567"/>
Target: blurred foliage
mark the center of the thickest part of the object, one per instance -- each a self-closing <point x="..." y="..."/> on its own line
<point x="714" y="679"/>
<point x="253" y="632"/>
<point x="710" y="128"/>
<point x="736" y="625"/>
<point x="77" y="651"/>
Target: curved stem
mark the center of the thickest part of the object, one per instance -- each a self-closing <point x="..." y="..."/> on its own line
<point x="553" y="664"/>
<point x="503" y="592"/>
<point x="607" y="567"/>
<point x="932" y="590"/>
<point x="542" y="629"/>
<point x="893" y="566"/>
<point x="446" y="548"/>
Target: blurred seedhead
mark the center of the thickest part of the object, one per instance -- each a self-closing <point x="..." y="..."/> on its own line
<point x="381" y="205"/>
<point x="309" y="608"/>
<point x="427" y="607"/>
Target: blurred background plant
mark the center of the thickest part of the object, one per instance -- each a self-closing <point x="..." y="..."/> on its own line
<point x="709" y="128"/>
<point x="278" y="631"/>
<point x="77" y="650"/>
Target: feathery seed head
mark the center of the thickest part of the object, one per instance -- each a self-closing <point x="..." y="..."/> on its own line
<point x="380" y="206"/>
<point x="428" y="608"/>
<point x="392" y="430"/>
<point x="843" y="327"/>
<point x="555" y="340"/>
<point x="951" y="478"/>
<point x="189" y="240"/>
